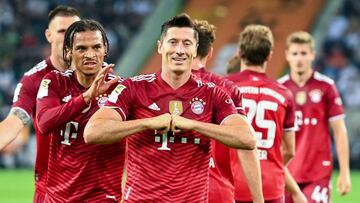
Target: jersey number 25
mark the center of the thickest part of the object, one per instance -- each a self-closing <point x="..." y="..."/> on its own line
<point x="257" y="111"/>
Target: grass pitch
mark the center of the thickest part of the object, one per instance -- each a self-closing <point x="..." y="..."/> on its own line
<point x="18" y="186"/>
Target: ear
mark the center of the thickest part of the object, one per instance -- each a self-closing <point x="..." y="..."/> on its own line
<point x="48" y="35"/>
<point x="269" y="57"/>
<point x="210" y="54"/>
<point x="68" y="56"/>
<point x="159" y="44"/>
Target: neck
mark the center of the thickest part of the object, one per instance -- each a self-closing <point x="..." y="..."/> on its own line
<point x="57" y="63"/>
<point x="198" y="63"/>
<point x="175" y="80"/>
<point x="259" y="69"/>
<point x="300" y="78"/>
<point x="85" y="80"/>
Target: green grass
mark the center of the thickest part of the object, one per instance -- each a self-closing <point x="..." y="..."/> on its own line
<point x="17" y="186"/>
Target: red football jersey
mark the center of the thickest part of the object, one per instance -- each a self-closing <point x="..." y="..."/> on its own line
<point x="271" y="111"/>
<point x="168" y="167"/>
<point x="77" y="172"/>
<point x="221" y="187"/>
<point x="317" y="103"/>
<point x="25" y="100"/>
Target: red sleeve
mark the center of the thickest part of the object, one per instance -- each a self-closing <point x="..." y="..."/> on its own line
<point x="50" y="113"/>
<point x="334" y="105"/>
<point x="231" y="88"/>
<point x="223" y="105"/>
<point x="120" y="98"/>
<point x="25" y="95"/>
<point x="289" y="122"/>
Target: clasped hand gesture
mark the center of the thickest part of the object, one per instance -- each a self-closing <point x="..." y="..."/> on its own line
<point x="170" y="122"/>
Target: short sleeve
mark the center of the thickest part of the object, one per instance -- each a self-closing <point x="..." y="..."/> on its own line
<point x="25" y="95"/>
<point x="223" y="105"/>
<point x="120" y="98"/>
<point x="334" y="105"/>
<point x="289" y="121"/>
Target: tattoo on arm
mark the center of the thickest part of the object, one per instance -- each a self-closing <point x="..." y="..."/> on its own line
<point x="21" y="114"/>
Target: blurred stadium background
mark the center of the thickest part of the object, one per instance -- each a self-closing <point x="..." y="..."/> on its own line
<point x="133" y="27"/>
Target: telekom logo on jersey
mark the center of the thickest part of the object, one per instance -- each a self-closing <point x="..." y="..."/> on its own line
<point x="300" y="120"/>
<point x="169" y="137"/>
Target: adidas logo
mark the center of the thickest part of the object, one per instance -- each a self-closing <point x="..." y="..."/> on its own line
<point x="154" y="106"/>
<point x="67" y="98"/>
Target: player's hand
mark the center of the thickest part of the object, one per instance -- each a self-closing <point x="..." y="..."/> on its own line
<point x="181" y="124"/>
<point x="299" y="197"/>
<point x="343" y="183"/>
<point x="161" y="124"/>
<point x="99" y="84"/>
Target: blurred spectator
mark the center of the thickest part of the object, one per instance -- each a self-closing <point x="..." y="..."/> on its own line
<point x="337" y="64"/>
<point x="22" y="41"/>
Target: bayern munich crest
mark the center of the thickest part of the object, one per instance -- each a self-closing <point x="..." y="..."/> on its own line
<point x="315" y="95"/>
<point x="101" y="100"/>
<point x="197" y="105"/>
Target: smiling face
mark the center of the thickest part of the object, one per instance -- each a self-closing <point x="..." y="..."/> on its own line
<point x="88" y="53"/>
<point x="178" y="49"/>
<point x="300" y="57"/>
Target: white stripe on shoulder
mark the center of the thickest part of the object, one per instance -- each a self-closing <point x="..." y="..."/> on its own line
<point x="115" y="107"/>
<point x="38" y="67"/>
<point x="235" y="114"/>
<point x="148" y="77"/>
<point x="321" y="77"/>
<point x="334" y="118"/>
<point x="67" y="73"/>
<point x="284" y="78"/>
<point x="290" y="129"/>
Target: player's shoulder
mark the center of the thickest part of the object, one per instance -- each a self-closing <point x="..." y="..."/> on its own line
<point x="203" y="83"/>
<point x="37" y="72"/>
<point x="143" y="78"/>
<point x="139" y="81"/>
<point x="60" y="74"/>
<point x="285" y="78"/>
<point x="279" y="85"/>
<point x="235" y="77"/>
<point x="59" y="77"/>
<point x="319" y="77"/>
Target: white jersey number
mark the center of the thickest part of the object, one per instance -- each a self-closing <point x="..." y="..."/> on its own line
<point x="320" y="194"/>
<point x="257" y="111"/>
<point x="67" y="134"/>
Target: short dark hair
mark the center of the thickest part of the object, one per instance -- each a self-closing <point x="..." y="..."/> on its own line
<point x="82" y="26"/>
<point x="63" y="11"/>
<point x="255" y="44"/>
<point x="207" y="37"/>
<point x="181" y="20"/>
